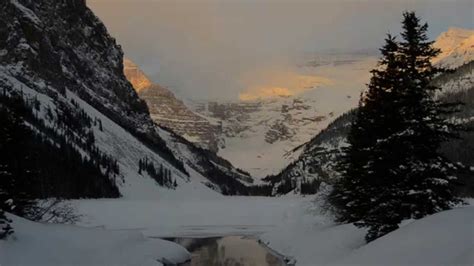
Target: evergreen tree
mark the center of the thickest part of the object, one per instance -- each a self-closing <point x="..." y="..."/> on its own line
<point x="427" y="174"/>
<point x="392" y="170"/>
<point x="353" y="193"/>
<point x="17" y="163"/>
<point x="5" y="223"/>
<point x="161" y="175"/>
<point x="37" y="165"/>
<point x="140" y="166"/>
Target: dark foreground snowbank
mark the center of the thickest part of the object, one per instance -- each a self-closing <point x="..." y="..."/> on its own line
<point x="53" y="244"/>
<point x="445" y="238"/>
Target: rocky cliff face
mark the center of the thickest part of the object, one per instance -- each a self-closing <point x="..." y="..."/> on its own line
<point x="64" y="43"/>
<point x="135" y="75"/>
<point x="170" y="112"/>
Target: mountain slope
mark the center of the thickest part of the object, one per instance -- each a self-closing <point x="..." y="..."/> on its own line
<point x="57" y="57"/>
<point x="72" y="69"/>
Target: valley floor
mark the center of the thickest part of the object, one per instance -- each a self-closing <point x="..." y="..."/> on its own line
<point x="292" y="226"/>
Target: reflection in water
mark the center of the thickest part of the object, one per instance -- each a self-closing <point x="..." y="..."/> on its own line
<point x="228" y="251"/>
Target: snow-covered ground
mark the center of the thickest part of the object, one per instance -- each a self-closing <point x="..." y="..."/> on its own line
<point x="292" y="226"/>
<point x="52" y="244"/>
<point x="125" y="232"/>
<point x="445" y="238"/>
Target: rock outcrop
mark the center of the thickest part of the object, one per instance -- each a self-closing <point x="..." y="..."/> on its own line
<point x="169" y="112"/>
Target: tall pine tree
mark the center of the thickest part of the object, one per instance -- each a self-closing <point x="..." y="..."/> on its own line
<point x="366" y="160"/>
<point x="392" y="169"/>
<point x="14" y="175"/>
<point x="427" y="174"/>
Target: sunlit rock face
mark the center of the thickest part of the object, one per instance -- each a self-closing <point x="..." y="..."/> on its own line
<point x="457" y="47"/>
<point x="167" y="111"/>
<point x="138" y="79"/>
<point x="283" y="84"/>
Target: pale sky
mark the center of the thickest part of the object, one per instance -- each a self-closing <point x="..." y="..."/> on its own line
<point x="202" y="48"/>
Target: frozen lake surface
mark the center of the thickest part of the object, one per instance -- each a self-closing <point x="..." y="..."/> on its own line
<point x="228" y="250"/>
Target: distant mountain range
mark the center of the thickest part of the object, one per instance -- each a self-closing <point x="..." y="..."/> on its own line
<point x="259" y="135"/>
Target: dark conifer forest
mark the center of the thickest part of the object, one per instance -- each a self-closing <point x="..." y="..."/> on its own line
<point x="39" y="163"/>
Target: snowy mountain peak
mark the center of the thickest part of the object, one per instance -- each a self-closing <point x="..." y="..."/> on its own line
<point x="455" y="35"/>
<point x="457" y="47"/>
